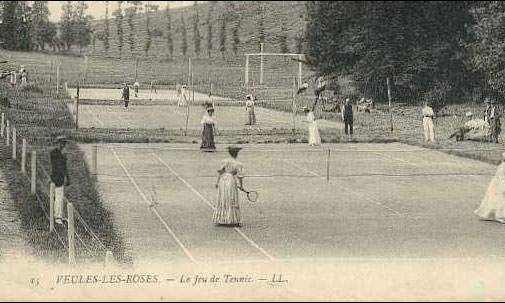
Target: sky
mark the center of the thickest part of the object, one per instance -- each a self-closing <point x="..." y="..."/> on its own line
<point x="97" y="8"/>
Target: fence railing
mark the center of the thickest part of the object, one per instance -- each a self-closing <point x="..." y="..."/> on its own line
<point x="43" y="189"/>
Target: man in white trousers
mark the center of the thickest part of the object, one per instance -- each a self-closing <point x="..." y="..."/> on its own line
<point x="429" y="129"/>
<point x="59" y="177"/>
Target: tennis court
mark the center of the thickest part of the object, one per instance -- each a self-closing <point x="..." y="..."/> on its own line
<point x="388" y="201"/>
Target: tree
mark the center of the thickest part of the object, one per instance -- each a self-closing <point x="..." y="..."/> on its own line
<point x="41" y="27"/>
<point x="486" y="45"/>
<point x="415" y="44"/>
<point x="283" y="39"/>
<point x="67" y="35"/>
<point x="236" y="36"/>
<point x="184" y="37"/>
<point x="261" y="24"/>
<point x="170" y="43"/>
<point x="9" y="24"/>
<point x="81" y="23"/>
<point x="222" y="36"/>
<point x="23" y="15"/>
<point x="196" y="30"/>
<point x="131" y="12"/>
<point x="209" y="29"/>
<point x="118" y="14"/>
<point x="149" y="8"/>
<point x="106" y="32"/>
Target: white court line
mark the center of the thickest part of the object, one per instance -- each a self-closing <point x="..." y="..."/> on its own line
<point x="347" y="189"/>
<point x="398" y="159"/>
<point x="95" y="116"/>
<point x="120" y="118"/>
<point x="254" y="244"/>
<point x="170" y="231"/>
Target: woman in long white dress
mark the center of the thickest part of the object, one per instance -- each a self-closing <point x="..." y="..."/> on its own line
<point x="492" y="207"/>
<point x="229" y="181"/>
<point x="314" y="137"/>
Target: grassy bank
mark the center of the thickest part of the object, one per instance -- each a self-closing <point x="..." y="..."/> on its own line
<point x="38" y="117"/>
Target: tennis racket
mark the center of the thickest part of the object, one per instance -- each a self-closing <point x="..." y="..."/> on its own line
<point x="252" y="195"/>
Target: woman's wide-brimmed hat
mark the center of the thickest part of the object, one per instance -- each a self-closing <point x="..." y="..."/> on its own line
<point x="469" y="114"/>
<point x="233" y="148"/>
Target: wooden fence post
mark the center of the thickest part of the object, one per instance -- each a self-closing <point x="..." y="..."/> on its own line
<point x="34" y="173"/>
<point x="94" y="159"/>
<point x="23" y="157"/>
<point x="8" y="133"/>
<point x="14" y="143"/>
<point x="328" y="157"/>
<point x="52" y="189"/>
<point x="2" y="130"/>
<point x="71" y="234"/>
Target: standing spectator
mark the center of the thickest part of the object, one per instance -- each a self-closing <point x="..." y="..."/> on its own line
<point x="249" y="107"/>
<point x="59" y="176"/>
<point x="429" y="128"/>
<point x="125" y="94"/>
<point x="182" y="97"/>
<point x="493" y="118"/>
<point x="136" y="87"/>
<point x="348" y="117"/>
<point x="14" y="79"/>
<point x="314" y="137"/>
<point x="209" y="124"/>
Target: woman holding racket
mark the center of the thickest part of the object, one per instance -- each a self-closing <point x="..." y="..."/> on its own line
<point x="228" y="184"/>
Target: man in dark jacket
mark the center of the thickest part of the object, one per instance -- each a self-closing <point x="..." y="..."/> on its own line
<point x="59" y="177"/>
<point x="125" y="94"/>
<point x="347" y="115"/>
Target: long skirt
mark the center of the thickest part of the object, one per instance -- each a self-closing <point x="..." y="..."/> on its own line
<point x="314" y="137"/>
<point x="493" y="205"/>
<point x="227" y="209"/>
<point x="208" y="137"/>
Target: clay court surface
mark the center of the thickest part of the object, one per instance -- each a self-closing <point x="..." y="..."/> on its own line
<point x="387" y="201"/>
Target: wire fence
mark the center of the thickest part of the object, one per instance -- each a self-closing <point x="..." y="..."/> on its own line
<point x="78" y="238"/>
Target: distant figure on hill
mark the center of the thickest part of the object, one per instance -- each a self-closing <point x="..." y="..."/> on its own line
<point x="249" y="107"/>
<point x="125" y="94"/>
<point x="136" y="87"/>
<point x="429" y="128"/>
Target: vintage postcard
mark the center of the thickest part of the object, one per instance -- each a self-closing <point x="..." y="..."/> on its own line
<point x="252" y="151"/>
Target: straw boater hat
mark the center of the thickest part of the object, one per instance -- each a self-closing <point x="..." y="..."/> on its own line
<point x="469" y="114"/>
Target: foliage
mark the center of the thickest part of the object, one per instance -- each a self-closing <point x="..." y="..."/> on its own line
<point x="196" y="30"/>
<point x="170" y="42"/>
<point x="118" y="14"/>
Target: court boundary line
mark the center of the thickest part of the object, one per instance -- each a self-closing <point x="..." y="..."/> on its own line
<point x="348" y="190"/>
<point x="190" y="187"/>
<point x="152" y="207"/>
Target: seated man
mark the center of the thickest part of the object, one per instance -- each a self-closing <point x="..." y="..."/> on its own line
<point x="474" y="129"/>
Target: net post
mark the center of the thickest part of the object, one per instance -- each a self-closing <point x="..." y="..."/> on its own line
<point x="14" y="143"/>
<point x="76" y="107"/>
<point x="71" y="234"/>
<point x="294" y="106"/>
<point x="51" y="206"/>
<point x="85" y="69"/>
<point x="390" y="110"/>
<point x="33" y="178"/>
<point x="57" y="80"/>
<point x="109" y="258"/>
<point x="8" y="133"/>
<point x="2" y="129"/>
<point x="94" y="164"/>
<point x="23" y="157"/>
<point x="50" y="69"/>
<point x="246" y="76"/>
<point x="261" y="63"/>
<point x="299" y="71"/>
<point x="328" y="157"/>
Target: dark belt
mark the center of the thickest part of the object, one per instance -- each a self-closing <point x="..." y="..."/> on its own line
<point x="428" y="116"/>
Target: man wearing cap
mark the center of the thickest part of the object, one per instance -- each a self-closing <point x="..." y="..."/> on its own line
<point x="59" y="176"/>
<point x="348" y="117"/>
<point x="249" y="107"/>
<point x="125" y="93"/>
<point x="14" y="79"/>
<point x="429" y="128"/>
